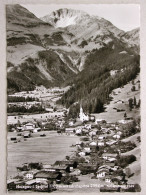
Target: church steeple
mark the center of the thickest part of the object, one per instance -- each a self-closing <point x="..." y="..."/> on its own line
<point x="81" y="109"/>
<point x="83" y="117"/>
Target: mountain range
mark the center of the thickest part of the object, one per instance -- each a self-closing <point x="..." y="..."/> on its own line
<point x="63" y="47"/>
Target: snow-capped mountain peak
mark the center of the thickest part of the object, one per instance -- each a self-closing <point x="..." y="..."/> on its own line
<point x="65" y="17"/>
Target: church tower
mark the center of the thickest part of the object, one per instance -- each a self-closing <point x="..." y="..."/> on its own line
<point x="83" y="117"/>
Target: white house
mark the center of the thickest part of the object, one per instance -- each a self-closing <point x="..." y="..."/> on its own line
<point x="109" y="157"/>
<point x="92" y="133"/>
<point x="117" y="128"/>
<point x="119" y="133"/>
<point x="111" y="142"/>
<point x="102" y="173"/>
<point x="71" y="123"/>
<point x="93" y="144"/>
<point x="104" y="129"/>
<point x="88" y="126"/>
<point x="78" y="143"/>
<point x="115" y="168"/>
<point x="20" y="128"/>
<point x="125" y="121"/>
<point x="69" y="130"/>
<point x="101" y="137"/>
<point x="116" y="136"/>
<point x="97" y="121"/>
<point x="27" y="135"/>
<point x="82" y="153"/>
<point x="29" y="175"/>
<point x="36" y="130"/>
<point x="78" y="131"/>
<point x="29" y="126"/>
<point x="101" y="144"/>
<point x="87" y="149"/>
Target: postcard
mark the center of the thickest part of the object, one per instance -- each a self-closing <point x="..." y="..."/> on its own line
<point x="73" y="98"/>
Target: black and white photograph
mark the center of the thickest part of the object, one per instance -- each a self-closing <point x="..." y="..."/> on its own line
<point x="73" y="98"/>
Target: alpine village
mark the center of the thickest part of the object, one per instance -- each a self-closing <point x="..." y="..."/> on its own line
<point x="73" y="103"/>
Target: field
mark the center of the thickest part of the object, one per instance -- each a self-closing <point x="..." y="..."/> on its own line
<point x="135" y="167"/>
<point x="38" y="149"/>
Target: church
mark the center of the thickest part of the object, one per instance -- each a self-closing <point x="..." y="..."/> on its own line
<point x="83" y="117"/>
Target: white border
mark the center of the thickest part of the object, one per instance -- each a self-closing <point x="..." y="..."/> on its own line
<point x="3" y="139"/>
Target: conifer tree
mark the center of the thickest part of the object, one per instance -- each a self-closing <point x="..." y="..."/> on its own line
<point x="134" y="101"/>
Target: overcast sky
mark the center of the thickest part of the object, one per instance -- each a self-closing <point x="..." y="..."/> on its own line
<point x="124" y="16"/>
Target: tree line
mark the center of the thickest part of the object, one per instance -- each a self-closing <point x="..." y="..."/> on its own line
<point x="22" y="109"/>
<point x="21" y="99"/>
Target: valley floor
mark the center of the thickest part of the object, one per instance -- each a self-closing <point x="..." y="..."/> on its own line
<point x="38" y="149"/>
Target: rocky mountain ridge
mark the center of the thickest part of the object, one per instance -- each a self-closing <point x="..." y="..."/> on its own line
<point x="56" y="47"/>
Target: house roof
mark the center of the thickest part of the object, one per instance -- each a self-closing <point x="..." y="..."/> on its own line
<point x="117" y="178"/>
<point x="60" y="167"/>
<point x="111" y="142"/>
<point x="26" y="134"/>
<point x="47" y="175"/>
<point x="29" y="124"/>
<point x="81" y="153"/>
<point x="116" y="135"/>
<point x="101" y="136"/>
<point x="12" y="180"/>
<point x="31" y="172"/>
<point x="103" y="170"/>
<point x="38" y="128"/>
<point x="111" y="159"/>
<point x="88" y="165"/>
<point x="93" y="143"/>
<point x="33" y="181"/>
<point x="110" y="164"/>
<point x="104" y="167"/>
<point x="109" y="155"/>
<point x="69" y="129"/>
<point x="19" y="127"/>
<point x="46" y="166"/>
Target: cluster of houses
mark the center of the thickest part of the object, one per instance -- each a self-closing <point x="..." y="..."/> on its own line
<point x="26" y="129"/>
<point x="48" y="115"/>
<point x="27" y="105"/>
<point x="97" y="153"/>
<point x="40" y="91"/>
<point x="32" y="175"/>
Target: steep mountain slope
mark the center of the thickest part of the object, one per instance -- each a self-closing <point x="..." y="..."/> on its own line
<point x="55" y="48"/>
<point x="19" y="15"/>
<point x="90" y="32"/>
<point x="93" y="85"/>
<point x="86" y="30"/>
<point x="27" y="37"/>
<point x="132" y="39"/>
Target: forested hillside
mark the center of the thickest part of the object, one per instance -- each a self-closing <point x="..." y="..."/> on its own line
<point x="93" y="85"/>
